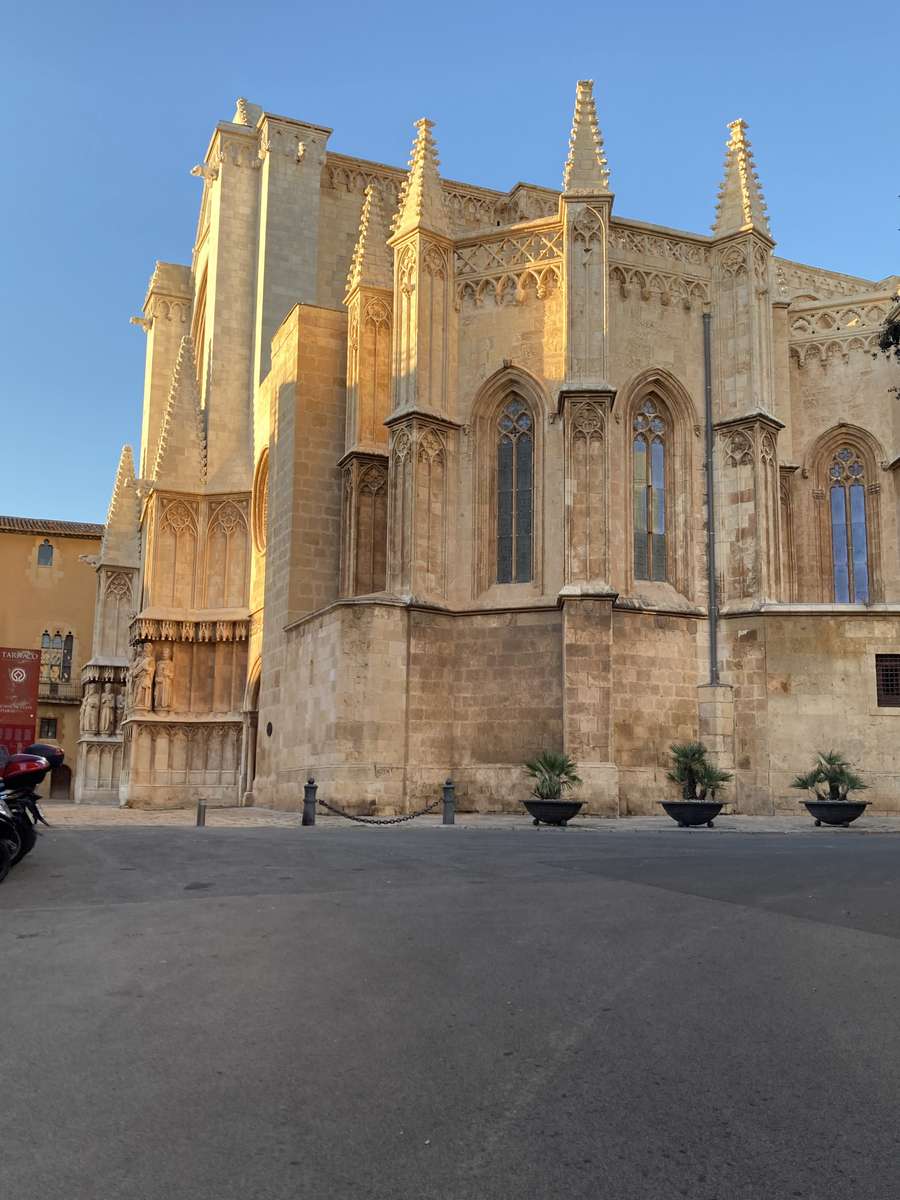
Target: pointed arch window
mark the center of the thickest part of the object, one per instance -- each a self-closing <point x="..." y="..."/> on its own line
<point x="649" y="486"/>
<point x="849" y="528"/>
<point x="515" y="492"/>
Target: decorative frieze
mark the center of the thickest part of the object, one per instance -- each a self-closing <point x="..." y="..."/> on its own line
<point x="685" y="290"/>
<point x="823" y="331"/>
<point x="155" y="629"/>
<point x="509" y="267"/>
<point x="794" y="279"/>
<point x="627" y="242"/>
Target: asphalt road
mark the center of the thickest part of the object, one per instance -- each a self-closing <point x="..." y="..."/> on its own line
<point x="450" y="1014"/>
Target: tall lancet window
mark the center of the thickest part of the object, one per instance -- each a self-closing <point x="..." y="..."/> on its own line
<point x="849" y="536"/>
<point x="649" y="493"/>
<point x="515" y="492"/>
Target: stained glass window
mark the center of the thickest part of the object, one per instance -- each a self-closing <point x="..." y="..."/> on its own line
<point x="649" y="484"/>
<point x="515" y="492"/>
<point x="849" y="535"/>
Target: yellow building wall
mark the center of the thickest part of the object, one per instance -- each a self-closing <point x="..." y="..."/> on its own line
<point x="57" y="597"/>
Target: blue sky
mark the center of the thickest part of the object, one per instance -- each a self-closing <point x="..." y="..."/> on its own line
<point x="108" y="106"/>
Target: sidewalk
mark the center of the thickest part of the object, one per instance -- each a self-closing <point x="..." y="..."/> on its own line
<point x="100" y="816"/>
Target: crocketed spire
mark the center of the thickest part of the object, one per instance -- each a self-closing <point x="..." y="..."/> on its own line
<point x="121" y="533"/>
<point x="422" y="196"/>
<point x="371" y="265"/>
<point x="181" y="456"/>
<point x="586" y="168"/>
<point x="740" y="204"/>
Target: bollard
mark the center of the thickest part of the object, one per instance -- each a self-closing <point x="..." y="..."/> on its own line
<point x="449" y="803"/>
<point x="201" y="813"/>
<point x="309" y="802"/>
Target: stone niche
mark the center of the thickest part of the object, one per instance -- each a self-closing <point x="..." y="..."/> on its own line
<point x="104" y="696"/>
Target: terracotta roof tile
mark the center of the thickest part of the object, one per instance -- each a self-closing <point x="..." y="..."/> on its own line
<point x="82" y="529"/>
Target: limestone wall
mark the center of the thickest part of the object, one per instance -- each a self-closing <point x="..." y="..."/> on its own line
<point x="805" y="681"/>
<point x="654" y="671"/>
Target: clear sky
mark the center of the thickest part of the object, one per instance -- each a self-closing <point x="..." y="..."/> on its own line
<point x="109" y="105"/>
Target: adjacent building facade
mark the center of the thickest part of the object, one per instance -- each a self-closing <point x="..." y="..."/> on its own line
<point x="47" y="604"/>
<point x="422" y="489"/>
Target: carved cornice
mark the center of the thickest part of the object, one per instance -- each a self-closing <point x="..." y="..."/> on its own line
<point x="824" y="330"/>
<point x="670" y="289"/>
<point x="798" y="279"/>
<point x="160" y="629"/>
<point x="630" y="242"/>
<point x="509" y="264"/>
<point x="601" y="396"/>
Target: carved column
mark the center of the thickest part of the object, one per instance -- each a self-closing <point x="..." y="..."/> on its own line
<point x="586" y="417"/>
<point x="422" y="453"/>
<point x="364" y="524"/>
<point x="742" y="325"/>
<point x="424" y="324"/>
<point x="586" y="227"/>
<point x="748" y="509"/>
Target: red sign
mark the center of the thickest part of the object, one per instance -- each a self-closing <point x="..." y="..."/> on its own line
<point x="19" y="674"/>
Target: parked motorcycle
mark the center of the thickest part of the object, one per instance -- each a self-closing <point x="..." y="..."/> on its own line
<point x="10" y="841"/>
<point x="20" y="776"/>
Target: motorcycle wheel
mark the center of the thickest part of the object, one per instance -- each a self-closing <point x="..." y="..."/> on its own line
<point x="5" y="860"/>
<point x="27" y="837"/>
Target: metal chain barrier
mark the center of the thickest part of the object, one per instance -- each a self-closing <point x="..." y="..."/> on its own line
<point x="338" y="812"/>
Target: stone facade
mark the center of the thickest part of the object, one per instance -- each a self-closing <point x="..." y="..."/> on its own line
<point x="422" y="490"/>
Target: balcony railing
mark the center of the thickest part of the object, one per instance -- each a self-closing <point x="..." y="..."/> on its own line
<point x="59" y="692"/>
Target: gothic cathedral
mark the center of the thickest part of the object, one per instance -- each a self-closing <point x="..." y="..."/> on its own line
<point x="425" y="482"/>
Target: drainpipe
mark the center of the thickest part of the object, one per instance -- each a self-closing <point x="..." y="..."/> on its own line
<point x="710" y="506"/>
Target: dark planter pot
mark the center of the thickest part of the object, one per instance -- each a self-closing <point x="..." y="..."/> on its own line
<point x="553" y="812"/>
<point x="693" y="812"/>
<point x="835" y="812"/>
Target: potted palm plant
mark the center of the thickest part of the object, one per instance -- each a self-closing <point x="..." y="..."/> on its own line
<point x="552" y="774"/>
<point x="830" y="783"/>
<point x="699" y="780"/>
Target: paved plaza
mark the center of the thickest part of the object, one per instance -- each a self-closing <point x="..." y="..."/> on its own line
<point x="616" y="1011"/>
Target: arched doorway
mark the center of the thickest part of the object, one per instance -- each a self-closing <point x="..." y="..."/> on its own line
<point x="251" y="719"/>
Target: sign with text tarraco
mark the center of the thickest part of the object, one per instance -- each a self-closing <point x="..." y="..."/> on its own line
<point x="19" y="674"/>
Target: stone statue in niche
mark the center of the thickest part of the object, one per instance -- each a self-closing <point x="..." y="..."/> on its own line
<point x="120" y="707"/>
<point x="90" y="709"/>
<point x="165" y="675"/>
<point x="142" y="677"/>
<point x="107" y="711"/>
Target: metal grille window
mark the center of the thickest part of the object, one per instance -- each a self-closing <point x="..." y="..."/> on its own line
<point x="887" y="680"/>
<point x="515" y="492"/>
<point x="649" y="494"/>
<point x="48" y="727"/>
<point x="56" y="657"/>
<point x="849" y="538"/>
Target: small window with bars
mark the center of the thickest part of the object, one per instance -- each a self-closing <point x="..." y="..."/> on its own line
<point x="887" y="680"/>
<point x="48" y="727"/>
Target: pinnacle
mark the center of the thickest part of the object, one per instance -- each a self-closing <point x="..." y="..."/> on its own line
<point x="422" y="196"/>
<point x="246" y="113"/>
<point x="181" y="455"/>
<point x="740" y="203"/>
<point x="120" y="535"/>
<point x="586" y="167"/>
<point x="371" y="265"/>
